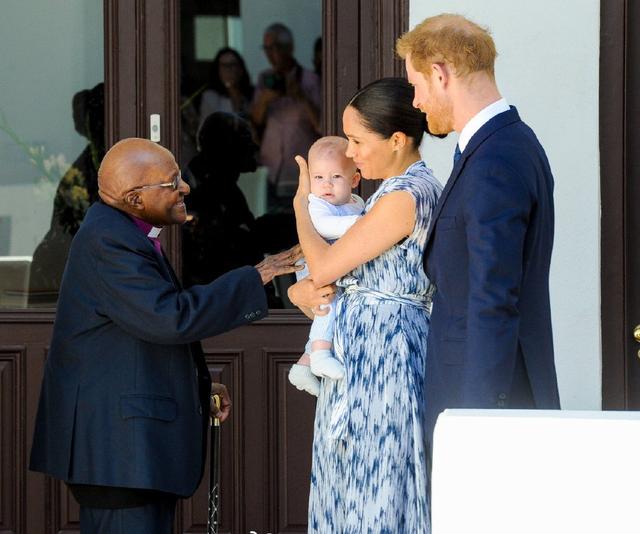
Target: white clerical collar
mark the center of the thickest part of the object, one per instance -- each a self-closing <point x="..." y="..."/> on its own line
<point x="154" y="232"/>
<point x="479" y="120"/>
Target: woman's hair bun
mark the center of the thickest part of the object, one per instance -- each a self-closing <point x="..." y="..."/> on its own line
<point x="386" y="106"/>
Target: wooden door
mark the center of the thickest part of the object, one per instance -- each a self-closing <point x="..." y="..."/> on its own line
<point x="620" y="192"/>
<point x="266" y="446"/>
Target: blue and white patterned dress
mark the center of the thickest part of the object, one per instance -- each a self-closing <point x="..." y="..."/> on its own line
<point x="369" y="469"/>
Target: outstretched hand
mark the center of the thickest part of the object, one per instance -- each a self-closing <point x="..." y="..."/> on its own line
<point x="281" y="263"/>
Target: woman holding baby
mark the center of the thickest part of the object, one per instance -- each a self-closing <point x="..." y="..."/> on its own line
<point x="370" y="454"/>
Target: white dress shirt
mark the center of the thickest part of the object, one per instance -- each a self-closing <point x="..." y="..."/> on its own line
<point x="479" y="120"/>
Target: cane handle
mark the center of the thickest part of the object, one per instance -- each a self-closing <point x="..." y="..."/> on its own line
<point x="216" y="402"/>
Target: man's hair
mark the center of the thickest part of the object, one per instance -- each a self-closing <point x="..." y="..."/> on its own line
<point x="452" y="39"/>
<point x="283" y="35"/>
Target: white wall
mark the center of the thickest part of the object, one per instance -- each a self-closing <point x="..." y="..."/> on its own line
<point x="303" y="17"/>
<point x="548" y="68"/>
<point x="49" y="54"/>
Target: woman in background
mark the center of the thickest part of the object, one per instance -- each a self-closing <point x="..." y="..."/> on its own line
<point x="230" y="87"/>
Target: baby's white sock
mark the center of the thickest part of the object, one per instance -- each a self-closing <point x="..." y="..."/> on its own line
<point x="323" y="364"/>
<point x="302" y="378"/>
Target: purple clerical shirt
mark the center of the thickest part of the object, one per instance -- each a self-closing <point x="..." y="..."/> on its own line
<point x="152" y="232"/>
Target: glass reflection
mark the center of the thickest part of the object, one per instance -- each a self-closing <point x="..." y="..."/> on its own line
<point x="51" y="113"/>
<point x="241" y="170"/>
<point x="77" y="190"/>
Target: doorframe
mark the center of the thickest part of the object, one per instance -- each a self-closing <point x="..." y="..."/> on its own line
<point x="618" y="51"/>
<point x="368" y="53"/>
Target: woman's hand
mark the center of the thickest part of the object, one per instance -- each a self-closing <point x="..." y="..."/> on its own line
<point x="301" y="200"/>
<point x="308" y="297"/>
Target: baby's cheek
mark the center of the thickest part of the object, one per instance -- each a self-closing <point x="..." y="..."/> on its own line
<point x="316" y="188"/>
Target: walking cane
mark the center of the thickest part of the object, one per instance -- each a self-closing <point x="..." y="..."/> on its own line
<point x="214" y="471"/>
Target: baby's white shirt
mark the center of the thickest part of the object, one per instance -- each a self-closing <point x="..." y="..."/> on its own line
<point x="332" y="221"/>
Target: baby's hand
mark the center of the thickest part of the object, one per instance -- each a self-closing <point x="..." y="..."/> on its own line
<point x="304" y="182"/>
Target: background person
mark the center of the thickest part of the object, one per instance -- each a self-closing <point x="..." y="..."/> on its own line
<point x="222" y="234"/>
<point x="77" y="190"/>
<point x="230" y="86"/>
<point x="124" y="405"/>
<point x="286" y="114"/>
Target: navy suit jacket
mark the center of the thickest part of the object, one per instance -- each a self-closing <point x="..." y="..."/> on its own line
<point x="488" y="252"/>
<point x="125" y="395"/>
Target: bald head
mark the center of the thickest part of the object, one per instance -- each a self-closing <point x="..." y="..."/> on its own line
<point x="127" y="165"/>
<point x="142" y="179"/>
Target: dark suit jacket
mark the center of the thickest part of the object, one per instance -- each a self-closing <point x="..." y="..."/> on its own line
<point x="488" y="253"/>
<point x="125" y="395"/>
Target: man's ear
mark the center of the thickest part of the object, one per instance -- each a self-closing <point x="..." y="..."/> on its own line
<point x="355" y="180"/>
<point x="133" y="201"/>
<point x="440" y="73"/>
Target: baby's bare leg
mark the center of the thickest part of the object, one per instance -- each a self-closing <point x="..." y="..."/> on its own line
<point x="320" y="344"/>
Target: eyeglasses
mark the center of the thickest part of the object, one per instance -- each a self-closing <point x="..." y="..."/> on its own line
<point x="173" y="185"/>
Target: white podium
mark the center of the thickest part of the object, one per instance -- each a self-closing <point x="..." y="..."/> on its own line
<point x="542" y="472"/>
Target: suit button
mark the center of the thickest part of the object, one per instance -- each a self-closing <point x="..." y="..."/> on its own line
<point x="247" y="316"/>
<point x="501" y="404"/>
<point x="258" y="312"/>
<point x="502" y="396"/>
<point x="200" y="410"/>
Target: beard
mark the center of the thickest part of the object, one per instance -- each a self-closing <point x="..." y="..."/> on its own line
<point x="440" y="117"/>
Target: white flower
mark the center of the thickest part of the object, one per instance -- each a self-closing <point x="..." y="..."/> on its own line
<point x="49" y="163"/>
<point x="62" y="163"/>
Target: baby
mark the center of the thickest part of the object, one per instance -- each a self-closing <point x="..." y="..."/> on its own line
<point x="333" y="209"/>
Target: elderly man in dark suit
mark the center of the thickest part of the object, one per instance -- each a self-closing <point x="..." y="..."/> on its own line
<point x="126" y="394"/>
<point x="489" y="245"/>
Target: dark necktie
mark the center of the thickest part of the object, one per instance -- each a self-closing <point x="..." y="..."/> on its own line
<point x="456" y="155"/>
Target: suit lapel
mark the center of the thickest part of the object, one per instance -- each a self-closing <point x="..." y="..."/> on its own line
<point x="171" y="272"/>
<point x="101" y="209"/>
<point x="496" y="123"/>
